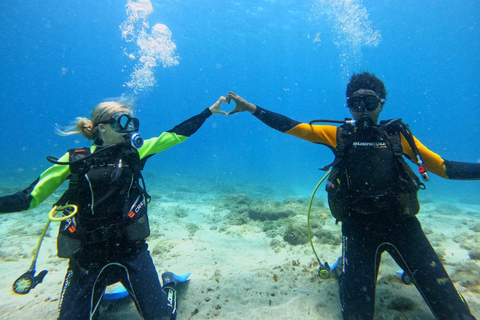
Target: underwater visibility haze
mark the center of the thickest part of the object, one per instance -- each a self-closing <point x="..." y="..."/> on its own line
<point x="291" y="57"/>
<point x="176" y="58"/>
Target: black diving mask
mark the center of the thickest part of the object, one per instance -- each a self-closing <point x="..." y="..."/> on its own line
<point x="364" y="100"/>
<point x="123" y="123"/>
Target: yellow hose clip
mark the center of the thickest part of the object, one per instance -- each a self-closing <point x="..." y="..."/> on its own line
<point x="70" y="208"/>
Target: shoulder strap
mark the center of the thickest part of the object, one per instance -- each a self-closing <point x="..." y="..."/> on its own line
<point x="396" y="125"/>
<point x="391" y="129"/>
<point x="76" y="169"/>
<point x="75" y="155"/>
<point x="344" y="140"/>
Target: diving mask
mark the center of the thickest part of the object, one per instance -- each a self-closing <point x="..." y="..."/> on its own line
<point x="363" y="99"/>
<point x="123" y="123"/>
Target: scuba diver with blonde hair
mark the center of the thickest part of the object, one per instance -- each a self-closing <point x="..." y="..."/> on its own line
<point x="373" y="192"/>
<point x="105" y="239"/>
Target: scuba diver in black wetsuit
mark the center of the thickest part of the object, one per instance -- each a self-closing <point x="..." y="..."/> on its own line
<point x="373" y="192"/>
<point x="105" y="239"/>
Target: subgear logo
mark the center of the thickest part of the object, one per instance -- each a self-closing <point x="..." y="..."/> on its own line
<point x="370" y="144"/>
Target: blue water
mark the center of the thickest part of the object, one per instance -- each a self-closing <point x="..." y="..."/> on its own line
<point x="60" y="60"/>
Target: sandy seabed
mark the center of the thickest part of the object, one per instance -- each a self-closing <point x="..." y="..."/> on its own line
<point x="247" y="256"/>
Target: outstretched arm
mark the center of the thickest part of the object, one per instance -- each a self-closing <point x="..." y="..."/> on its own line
<point x="274" y="120"/>
<point x="38" y="191"/>
<point x="18" y="201"/>
<point x="444" y="168"/>
<point x="180" y="132"/>
<point x="462" y="170"/>
<point x="241" y="105"/>
<point x="313" y="133"/>
<point x="190" y="126"/>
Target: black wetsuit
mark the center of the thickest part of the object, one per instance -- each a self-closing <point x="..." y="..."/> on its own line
<point x="374" y="223"/>
<point x="89" y="273"/>
<point x="365" y="238"/>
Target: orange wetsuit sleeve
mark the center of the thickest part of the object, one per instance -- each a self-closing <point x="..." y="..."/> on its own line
<point x="327" y="135"/>
<point x="314" y="133"/>
<point x="441" y="167"/>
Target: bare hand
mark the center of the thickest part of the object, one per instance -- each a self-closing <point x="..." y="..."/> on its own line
<point x="215" y="108"/>
<point x="241" y="105"/>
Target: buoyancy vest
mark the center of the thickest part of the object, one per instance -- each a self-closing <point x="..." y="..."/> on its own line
<point x="369" y="174"/>
<point x="109" y="191"/>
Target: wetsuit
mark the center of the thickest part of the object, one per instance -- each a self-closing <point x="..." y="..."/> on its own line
<point x="112" y="258"/>
<point x="371" y="228"/>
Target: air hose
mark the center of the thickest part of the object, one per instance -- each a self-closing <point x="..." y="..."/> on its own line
<point x="324" y="268"/>
<point x="28" y="280"/>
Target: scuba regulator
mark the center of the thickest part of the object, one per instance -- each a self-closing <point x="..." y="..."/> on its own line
<point x="135" y="139"/>
<point x="364" y="122"/>
<point x="29" y="280"/>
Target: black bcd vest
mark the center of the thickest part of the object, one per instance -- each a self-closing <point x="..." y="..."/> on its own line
<point x="369" y="174"/>
<point x="108" y="189"/>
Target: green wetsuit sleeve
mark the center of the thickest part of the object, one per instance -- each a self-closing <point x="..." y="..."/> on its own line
<point x="159" y="144"/>
<point x="174" y="136"/>
<point x="49" y="181"/>
<point x="38" y="191"/>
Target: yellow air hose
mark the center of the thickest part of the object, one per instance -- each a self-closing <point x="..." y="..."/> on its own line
<point x="28" y="280"/>
<point x="51" y="217"/>
<point x="322" y="273"/>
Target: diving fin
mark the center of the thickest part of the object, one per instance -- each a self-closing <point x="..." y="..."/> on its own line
<point x="167" y="277"/>
<point x="182" y="277"/>
<point x="170" y="277"/>
<point x="116" y="294"/>
<point x="405" y="277"/>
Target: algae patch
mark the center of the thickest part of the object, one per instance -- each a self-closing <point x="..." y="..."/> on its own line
<point x="286" y="219"/>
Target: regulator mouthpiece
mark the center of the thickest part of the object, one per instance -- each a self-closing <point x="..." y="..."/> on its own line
<point x="135" y="139"/>
<point x="364" y="122"/>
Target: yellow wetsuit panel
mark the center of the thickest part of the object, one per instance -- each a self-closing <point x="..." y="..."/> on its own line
<point x="315" y="133"/>
<point x="328" y="135"/>
<point x="433" y="162"/>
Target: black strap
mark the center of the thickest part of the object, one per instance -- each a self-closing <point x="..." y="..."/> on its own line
<point x="391" y="129"/>
<point x="18" y="201"/>
<point x="344" y="136"/>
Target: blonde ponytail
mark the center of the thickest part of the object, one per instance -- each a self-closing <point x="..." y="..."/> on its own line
<point x="102" y="112"/>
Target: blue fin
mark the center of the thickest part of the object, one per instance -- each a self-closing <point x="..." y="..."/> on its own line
<point x="334" y="265"/>
<point x="400" y="272"/>
<point x="182" y="277"/>
<point x="116" y="294"/>
<point x="121" y="292"/>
